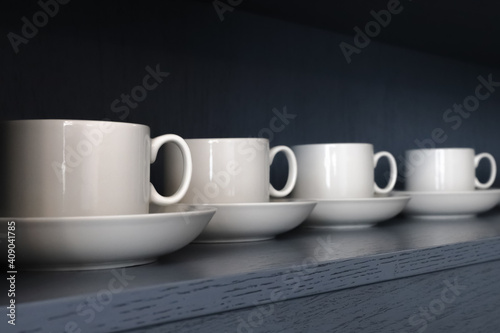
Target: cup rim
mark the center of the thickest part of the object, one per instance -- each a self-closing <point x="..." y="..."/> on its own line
<point x="440" y="149"/>
<point x="334" y="144"/>
<point x="81" y="121"/>
<point x="226" y="140"/>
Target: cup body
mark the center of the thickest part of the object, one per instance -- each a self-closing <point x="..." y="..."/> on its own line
<point x="227" y="170"/>
<point x="336" y="171"/>
<point x="54" y="168"/>
<point x="442" y="169"/>
<point x="74" y="168"/>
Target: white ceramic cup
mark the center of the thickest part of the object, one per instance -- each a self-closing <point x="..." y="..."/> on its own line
<point x="54" y="168"/>
<point x="445" y="169"/>
<point x="339" y="170"/>
<point x="229" y="170"/>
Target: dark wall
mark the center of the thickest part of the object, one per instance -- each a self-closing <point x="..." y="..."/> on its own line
<point x="225" y="78"/>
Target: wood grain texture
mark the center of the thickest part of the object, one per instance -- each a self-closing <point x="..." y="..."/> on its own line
<point x="423" y="303"/>
<point x="208" y="279"/>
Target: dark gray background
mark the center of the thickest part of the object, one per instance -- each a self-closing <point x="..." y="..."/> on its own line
<point x="226" y="77"/>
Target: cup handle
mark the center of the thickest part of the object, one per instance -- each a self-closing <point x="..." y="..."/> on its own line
<point x="394" y="172"/>
<point x="493" y="172"/>
<point x="292" y="171"/>
<point x="156" y="143"/>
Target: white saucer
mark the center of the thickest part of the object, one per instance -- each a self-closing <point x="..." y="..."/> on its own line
<point x="450" y="204"/>
<point x="79" y="243"/>
<point x="355" y="213"/>
<point x="246" y="222"/>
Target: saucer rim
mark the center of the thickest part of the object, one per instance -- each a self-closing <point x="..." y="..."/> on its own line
<point x="372" y="199"/>
<point x="323" y="217"/>
<point x="198" y="210"/>
<point x="442" y="193"/>
<point x="260" y="231"/>
<point x="256" y="204"/>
